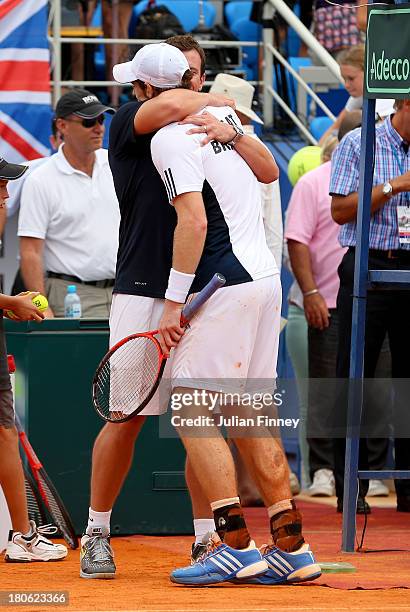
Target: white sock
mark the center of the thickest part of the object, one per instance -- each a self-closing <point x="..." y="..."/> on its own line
<point x="98" y="519"/>
<point x="202" y="527"/>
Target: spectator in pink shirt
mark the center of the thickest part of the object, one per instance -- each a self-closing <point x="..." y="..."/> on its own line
<point x="315" y="254"/>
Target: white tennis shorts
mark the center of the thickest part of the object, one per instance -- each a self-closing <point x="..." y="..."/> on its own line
<point x="232" y="343"/>
<point x="131" y="314"/>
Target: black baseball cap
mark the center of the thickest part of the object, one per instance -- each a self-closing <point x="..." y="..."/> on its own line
<point x="81" y="102"/>
<point x="10" y="172"/>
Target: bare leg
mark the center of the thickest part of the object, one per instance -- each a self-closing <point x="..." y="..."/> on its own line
<point x="12" y="479"/>
<point x="267" y="464"/>
<point x="212" y="464"/>
<point x="77" y="49"/>
<point x="124" y="10"/>
<point x="77" y="61"/>
<point x="124" y="16"/>
<point x="209" y="456"/>
<point x="248" y="491"/>
<point x="112" y="458"/>
<point x="200" y="504"/>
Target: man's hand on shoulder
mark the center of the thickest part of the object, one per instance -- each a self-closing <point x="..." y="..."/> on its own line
<point x="172" y="106"/>
<point x="213" y="128"/>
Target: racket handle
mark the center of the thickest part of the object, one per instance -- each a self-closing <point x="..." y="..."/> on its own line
<point x="216" y="282"/>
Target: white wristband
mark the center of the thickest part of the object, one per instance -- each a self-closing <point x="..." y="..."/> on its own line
<point x="179" y="284"/>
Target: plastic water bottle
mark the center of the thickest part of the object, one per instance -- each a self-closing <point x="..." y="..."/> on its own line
<point x="72" y="303"/>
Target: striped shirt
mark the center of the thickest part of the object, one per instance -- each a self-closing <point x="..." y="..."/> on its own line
<point x="391" y="160"/>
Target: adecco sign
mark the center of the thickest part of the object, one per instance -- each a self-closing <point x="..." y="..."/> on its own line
<point x="388" y="53"/>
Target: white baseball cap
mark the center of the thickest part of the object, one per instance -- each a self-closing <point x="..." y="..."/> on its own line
<point x="160" y="65"/>
<point x="239" y="90"/>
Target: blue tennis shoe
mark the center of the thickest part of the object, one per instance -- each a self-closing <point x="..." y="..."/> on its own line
<point x="286" y="568"/>
<point x="221" y="563"/>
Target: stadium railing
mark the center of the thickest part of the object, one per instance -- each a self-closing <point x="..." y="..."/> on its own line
<point x="300" y="115"/>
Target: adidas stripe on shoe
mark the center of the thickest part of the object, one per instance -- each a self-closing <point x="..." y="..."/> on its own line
<point x="221" y="563"/>
<point x="287" y="568"/>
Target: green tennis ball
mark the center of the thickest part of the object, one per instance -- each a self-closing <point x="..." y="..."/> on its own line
<point x="41" y="302"/>
<point x="304" y="160"/>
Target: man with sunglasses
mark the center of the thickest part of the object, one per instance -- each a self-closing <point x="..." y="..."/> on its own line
<point x="69" y="217"/>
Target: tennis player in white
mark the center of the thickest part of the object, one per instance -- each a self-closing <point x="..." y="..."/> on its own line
<point x="230" y="346"/>
<point x="143" y="263"/>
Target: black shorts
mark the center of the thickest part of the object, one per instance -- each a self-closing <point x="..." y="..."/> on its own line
<point x="6" y="395"/>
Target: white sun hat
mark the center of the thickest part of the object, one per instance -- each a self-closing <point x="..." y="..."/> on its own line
<point x="160" y="65"/>
<point x="239" y="90"/>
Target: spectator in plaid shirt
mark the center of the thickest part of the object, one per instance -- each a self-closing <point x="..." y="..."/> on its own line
<point x="385" y="309"/>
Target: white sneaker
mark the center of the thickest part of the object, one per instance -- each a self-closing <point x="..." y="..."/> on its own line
<point x="36" y="548"/>
<point x="377" y="488"/>
<point x="323" y="484"/>
<point x="294" y="483"/>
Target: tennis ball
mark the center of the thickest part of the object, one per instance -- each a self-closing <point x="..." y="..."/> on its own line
<point x="39" y="301"/>
<point x="307" y="158"/>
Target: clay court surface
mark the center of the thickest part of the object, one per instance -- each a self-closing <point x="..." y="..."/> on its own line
<point x="381" y="581"/>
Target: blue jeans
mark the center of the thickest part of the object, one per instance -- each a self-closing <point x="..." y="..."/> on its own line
<point x="296" y="344"/>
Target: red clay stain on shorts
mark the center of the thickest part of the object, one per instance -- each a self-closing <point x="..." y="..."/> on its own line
<point x="238" y="364"/>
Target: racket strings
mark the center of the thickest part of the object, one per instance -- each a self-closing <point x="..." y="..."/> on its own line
<point x="34" y="504"/>
<point x="55" y="511"/>
<point x="127" y="378"/>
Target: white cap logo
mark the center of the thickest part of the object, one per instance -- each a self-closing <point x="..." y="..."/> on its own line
<point x="90" y="99"/>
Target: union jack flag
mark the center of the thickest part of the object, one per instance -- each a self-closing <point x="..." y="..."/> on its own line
<point x="25" y="102"/>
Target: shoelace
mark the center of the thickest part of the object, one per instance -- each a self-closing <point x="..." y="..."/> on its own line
<point x="99" y="548"/>
<point x="48" y="529"/>
<point x="210" y="547"/>
<point x="265" y="549"/>
<point x="197" y="551"/>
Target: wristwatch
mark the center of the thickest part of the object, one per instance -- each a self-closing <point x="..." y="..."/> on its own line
<point x="238" y="135"/>
<point x="387" y="189"/>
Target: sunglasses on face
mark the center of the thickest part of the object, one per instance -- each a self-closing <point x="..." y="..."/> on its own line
<point x="89" y="123"/>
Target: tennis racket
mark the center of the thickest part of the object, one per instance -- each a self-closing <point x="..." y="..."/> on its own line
<point x="47" y="490"/>
<point x="35" y="506"/>
<point x="129" y="374"/>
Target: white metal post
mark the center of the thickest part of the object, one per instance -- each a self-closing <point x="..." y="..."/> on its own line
<point x="268" y="12"/>
<point x="56" y="51"/>
<point x="307" y="37"/>
<point x="115" y="94"/>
